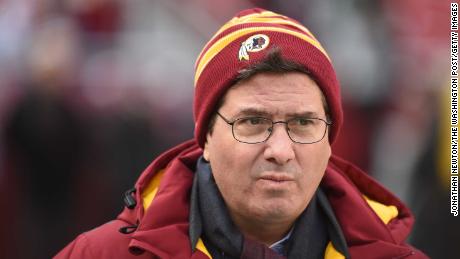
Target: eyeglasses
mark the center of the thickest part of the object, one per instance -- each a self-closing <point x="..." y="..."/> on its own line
<point x="254" y="129"/>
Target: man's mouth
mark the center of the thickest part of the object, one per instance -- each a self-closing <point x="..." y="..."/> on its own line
<point x="277" y="177"/>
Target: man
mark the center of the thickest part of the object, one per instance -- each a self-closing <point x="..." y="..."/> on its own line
<point x="258" y="180"/>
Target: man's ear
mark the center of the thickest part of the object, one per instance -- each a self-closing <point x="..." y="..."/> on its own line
<point x="206" y="148"/>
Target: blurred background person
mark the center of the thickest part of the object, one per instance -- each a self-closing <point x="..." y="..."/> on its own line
<point x="84" y="85"/>
<point x="45" y="140"/>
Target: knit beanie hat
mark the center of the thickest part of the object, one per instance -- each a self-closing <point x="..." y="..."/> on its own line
<point x="244" y="41"/>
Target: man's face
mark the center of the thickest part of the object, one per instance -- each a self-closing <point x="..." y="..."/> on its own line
<point x="273" y="181"/>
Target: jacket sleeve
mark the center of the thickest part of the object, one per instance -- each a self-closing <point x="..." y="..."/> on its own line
<point x="78" y="248"/>
<point x="104" y="241"/>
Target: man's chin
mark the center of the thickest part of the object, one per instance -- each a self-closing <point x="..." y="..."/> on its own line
<point x="276" y="211"/>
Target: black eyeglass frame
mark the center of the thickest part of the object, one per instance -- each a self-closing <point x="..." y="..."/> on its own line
<point x="231" y="123"/>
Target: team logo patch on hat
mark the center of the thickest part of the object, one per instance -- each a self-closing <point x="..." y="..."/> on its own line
<point x="254" y="43"/>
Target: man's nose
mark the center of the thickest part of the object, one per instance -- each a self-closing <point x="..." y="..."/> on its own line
<point x="279" y="147"/>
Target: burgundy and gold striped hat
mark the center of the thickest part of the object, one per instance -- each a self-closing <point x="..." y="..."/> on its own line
<point x="244" y="41"/>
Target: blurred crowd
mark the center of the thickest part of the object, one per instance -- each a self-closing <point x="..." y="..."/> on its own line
<point x="92" y="90"/>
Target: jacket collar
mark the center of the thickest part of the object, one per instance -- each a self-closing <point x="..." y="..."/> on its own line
<point x="353" y="195"/>
<point x="163" y="226"/>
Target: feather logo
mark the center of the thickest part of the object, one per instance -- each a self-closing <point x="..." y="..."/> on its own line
<point x="254" y="43"/>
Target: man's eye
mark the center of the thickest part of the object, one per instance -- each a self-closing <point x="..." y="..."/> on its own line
<point x="255" y="121"/>
<point x="303" y="121"/>
<point x="252" y="121"/>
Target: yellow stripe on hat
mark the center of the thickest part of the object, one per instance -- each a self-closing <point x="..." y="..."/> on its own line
<point x="273" y="20"/>
<point x="225" y="41"/>
<point x="235" y="21"/>
<point x="263" y="17"/>
<point x="246" y="19"/>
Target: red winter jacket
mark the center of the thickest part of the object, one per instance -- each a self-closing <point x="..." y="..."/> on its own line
<point x="375" y="223"/>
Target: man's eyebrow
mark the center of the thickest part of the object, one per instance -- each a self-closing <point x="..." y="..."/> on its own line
<point x="250" y="111"/>
<point x="306" y="114"/>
